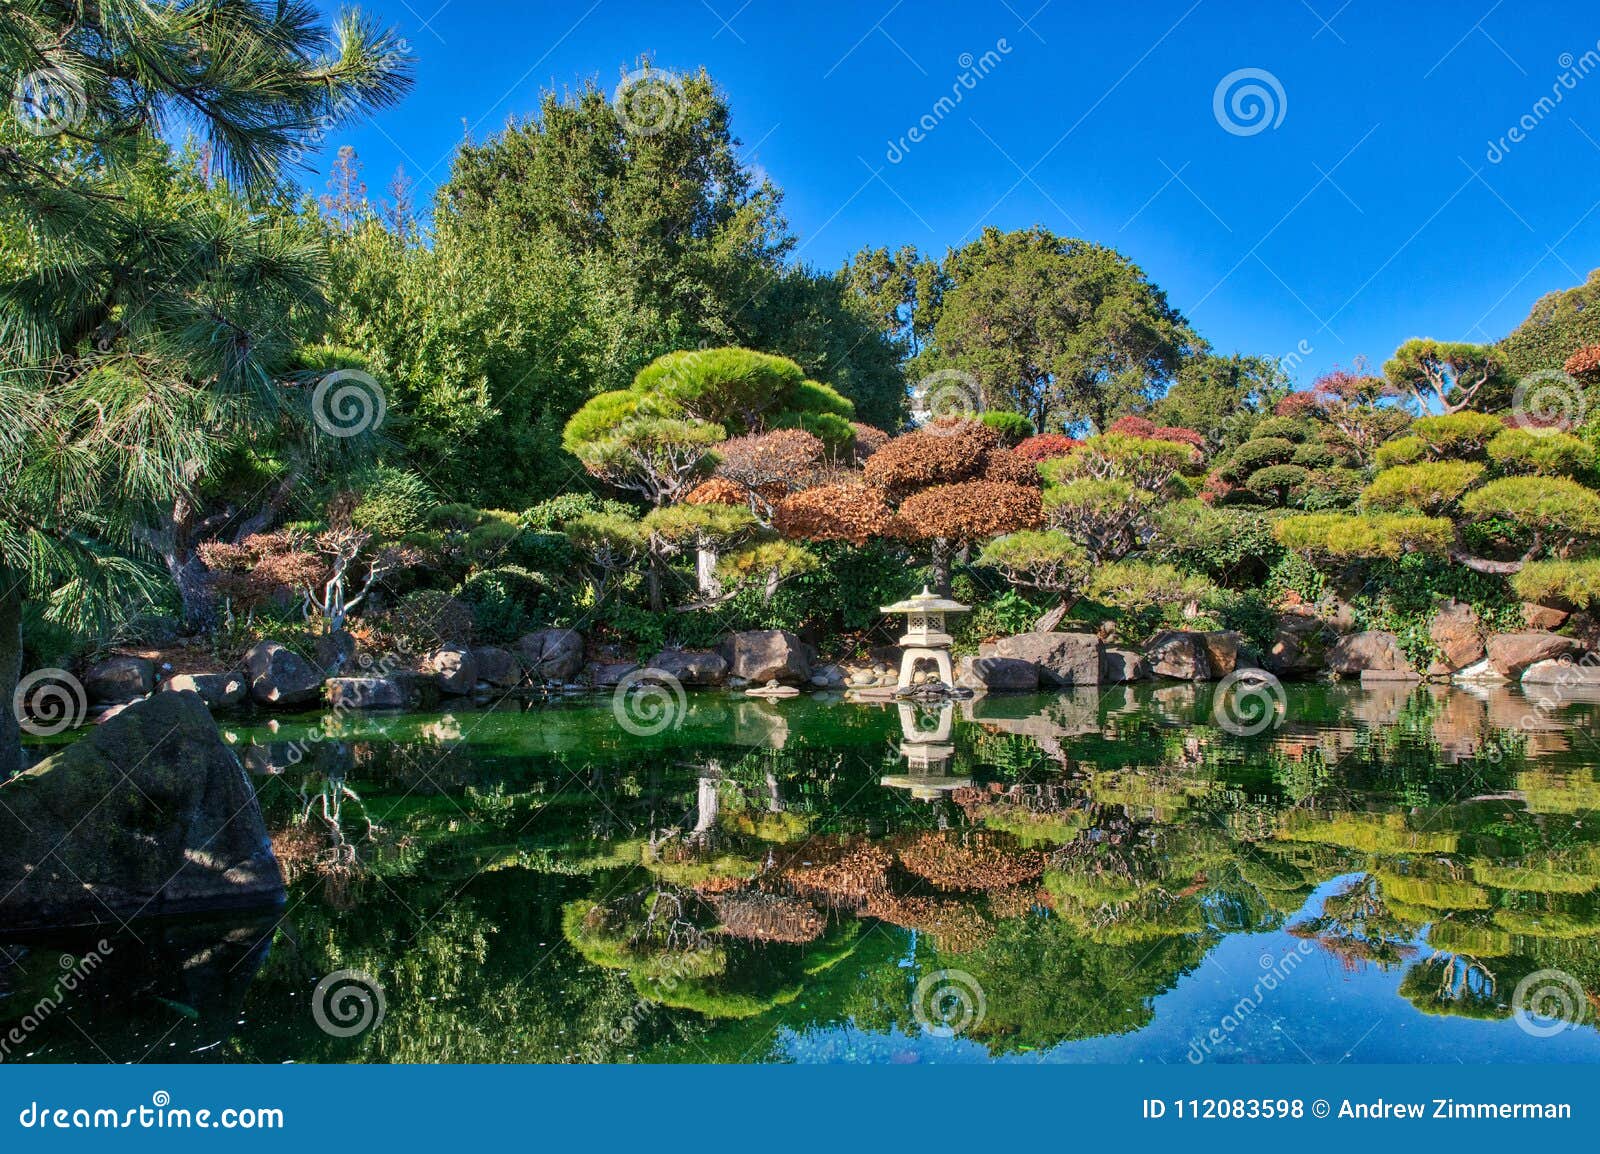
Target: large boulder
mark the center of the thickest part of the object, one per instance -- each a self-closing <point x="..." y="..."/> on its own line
<point x="1062" y="658"/>
<point x="280" y="677"/>
<point x="1543" y="617"/>
<point x="333" y="652"/>
<point x="1226" y="650"/>
<point x="691" y="668"/>
<point x="497" y="667"/>
<point x="367" y="693"/>
<point x="1119" y="666"/>
<point x="454" y="668"/>
<point x="998" y="674"/>
<point x="1454" y="631"/>
<point x="1511" y="653"/>
<point x="763" y="655"/>
<point x="1371" y="651"/>
<point x="119" y="679"/>
<point x="1300" y="643"/>
<point x="608" y="675"/>
<point x="1179" y="654"/>
<point x="552" y="654"/>
<point x="150" y="813"/>
<point x="217" y="690"/>
<point x="1562" y="673"/>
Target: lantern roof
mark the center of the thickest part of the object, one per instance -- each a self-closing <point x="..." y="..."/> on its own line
<point x="926" y="602"/>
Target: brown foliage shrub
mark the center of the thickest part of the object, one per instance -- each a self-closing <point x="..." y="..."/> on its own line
<point x="1046" y="446"/>
<point x="849" y="511"/>
<point x="1011" y="468"/>
<point x="917" y="460"/>
<point x="970" y="511"/>
<point x="1585" y="363"/>
<point x="784" y="459"/>
<point x="716" y="491"/>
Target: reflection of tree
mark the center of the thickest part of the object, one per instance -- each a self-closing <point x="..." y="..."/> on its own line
<point x="1357" y="927"/>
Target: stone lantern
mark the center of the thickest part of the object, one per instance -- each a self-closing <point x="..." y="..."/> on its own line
<point x="925" y="638"/>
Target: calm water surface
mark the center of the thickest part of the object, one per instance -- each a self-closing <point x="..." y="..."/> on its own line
<point x="1078" y="877"/>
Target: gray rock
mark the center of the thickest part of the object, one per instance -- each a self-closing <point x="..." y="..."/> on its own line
<point x="1179" y="654"/>
<point x="150" y="813"/>
<point x="998" y="674"/>
<point x="1561" y="673"/>
<point x="605" y="675"/>
<point x="828" y="677"/>
<point x="764" y="655"/>
<point x="691" y="667"/>
<point x="1119" y="666"/>
<point x="1374" y="650"/>
<point x="280" y="677"/>
<point x="1511" y="653"/>
<point x="497" y="666"/>
<point x="552" y="654"/>
<point x="333" y="652"/>
<point x="119" y="679"/>
<point x="367" y="693"/>
<point x="218" y="690"/>
<point x="454" y="668"/>
<point x="1225" y="651"/>
<point x="1454" y="631"/>
<point x="1062" y="658"/>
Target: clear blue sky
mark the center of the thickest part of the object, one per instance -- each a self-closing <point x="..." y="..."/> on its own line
<point x="1371" y="212"/>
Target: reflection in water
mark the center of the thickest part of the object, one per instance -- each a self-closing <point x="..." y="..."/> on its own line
<point x="771" y="883"/>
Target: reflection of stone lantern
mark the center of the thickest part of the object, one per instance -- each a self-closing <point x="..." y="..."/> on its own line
<point x="927" y="753"/>
<point x="925" y="638"/>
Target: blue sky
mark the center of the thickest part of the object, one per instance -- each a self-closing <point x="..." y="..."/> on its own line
<point x="1388" y="200"/>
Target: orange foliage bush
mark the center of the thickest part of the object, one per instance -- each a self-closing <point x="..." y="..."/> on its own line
<point x="849" y="511"/>
<point x="1046" y="446"/>
<point x="924" y="458"/>
<point x="716" y="491"/>
<point x="1011" y="468"/>
<point x="869" y="439"/>
<point x="1585" y="363"/>
<point x="970" y="511"/>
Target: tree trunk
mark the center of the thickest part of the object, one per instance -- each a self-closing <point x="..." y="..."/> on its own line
<point x="939" y="563"/>
<point x="705" y="573"/>
<point x="10" y="675"/>
<point x="1048" y="623"/>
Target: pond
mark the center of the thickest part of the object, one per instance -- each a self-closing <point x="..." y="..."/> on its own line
<point x="1395" y="873"/>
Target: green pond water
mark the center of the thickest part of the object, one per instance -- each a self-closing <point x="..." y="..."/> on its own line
<point x="1110" y="876"/>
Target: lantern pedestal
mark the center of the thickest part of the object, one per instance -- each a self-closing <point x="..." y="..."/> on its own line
<point x="925" y="638"/>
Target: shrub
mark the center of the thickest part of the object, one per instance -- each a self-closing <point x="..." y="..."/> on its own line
<point x="1046" y="446"/>
<point x="1139" y="586"/>
<point x="1012" y="427"/>
<point x="1346" y="535"/>
<point x="1551" y="505"/>
<point x="1584" y="364"/>
<point x="923" y="458"/>
<point x="1257" y="453"/>
<point x="716" y="491"/>
<point x="1428" y="487"/>
<point x="1546" y="452"/>
<point x="1295" y="429"/>
<point x="1456" y="434"/>
<point x="785" y="459"/>
<point x="841" y="512"/>
<point x="505" y="603"/>
<point x="1143" y="427"/>
<point x="970" y="511"/>
<point x="553" y="515"/>
<point x="1400" y="451"/>
<point x="868" y="440"/>
<point x="425" y="619"/>
<point x="1278" y="482"/>
<point x="1045" y="559"/>
<point x="1226" y="543"/>
<point x="1574" y="582"/>
<point x="1314" y="455"/>
<point x="390" y="502"/>
<point x="1007" y="466"/>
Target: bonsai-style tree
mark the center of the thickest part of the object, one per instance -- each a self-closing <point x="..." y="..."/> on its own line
<point x="964" y="514"/>
<point x="706" y="529"/>
<point x="610" y="541"/>
<point x="1449" y="373"/>
<point x="769" y="466"/>
<point x="660" y="458"/>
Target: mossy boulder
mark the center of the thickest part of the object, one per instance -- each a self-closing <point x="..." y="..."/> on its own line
<point x="150" y="813"/>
